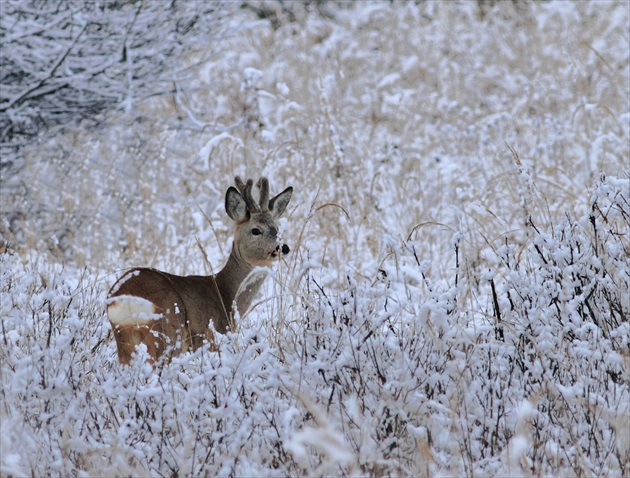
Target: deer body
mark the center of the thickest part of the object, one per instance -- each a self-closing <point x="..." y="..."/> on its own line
<point x="171" y="313"/>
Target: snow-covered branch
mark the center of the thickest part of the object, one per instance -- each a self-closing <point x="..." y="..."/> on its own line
<point x="71" y="61"/>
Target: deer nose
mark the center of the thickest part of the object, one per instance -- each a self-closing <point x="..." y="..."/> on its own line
<point x="285" y="249"/>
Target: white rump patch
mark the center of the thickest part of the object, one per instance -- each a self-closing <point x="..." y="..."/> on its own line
<point x="131" y="310"/>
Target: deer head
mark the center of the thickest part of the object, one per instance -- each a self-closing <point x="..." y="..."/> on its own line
<point x="256" y="238"/>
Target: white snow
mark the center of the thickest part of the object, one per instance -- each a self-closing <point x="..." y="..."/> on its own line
<point x="455" y="302"/>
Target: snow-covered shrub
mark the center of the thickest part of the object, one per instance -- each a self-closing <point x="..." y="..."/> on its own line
<point x="69" y="61"/>
<point x="456" y="299"/>
<point x="390" y="375"/>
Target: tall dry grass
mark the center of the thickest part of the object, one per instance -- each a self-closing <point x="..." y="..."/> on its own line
<point x="456" y="298"/>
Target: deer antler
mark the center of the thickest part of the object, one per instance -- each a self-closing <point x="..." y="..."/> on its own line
<point x="263" y="185"/>
<point x="246" y="191"/>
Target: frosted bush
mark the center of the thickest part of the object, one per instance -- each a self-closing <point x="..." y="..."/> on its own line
<point x="452" y="305"/>
<point x="387" y="376"/>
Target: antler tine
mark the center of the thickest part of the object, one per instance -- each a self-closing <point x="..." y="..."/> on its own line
<point x="240" y="185"/>
<point x="263" y="185"/>
<point x="246" y="191"/>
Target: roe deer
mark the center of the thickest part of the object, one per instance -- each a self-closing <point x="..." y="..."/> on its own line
<point x="166" y="312"/>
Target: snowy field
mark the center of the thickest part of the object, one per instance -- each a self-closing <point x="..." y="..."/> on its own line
<point x="456" y="300"/>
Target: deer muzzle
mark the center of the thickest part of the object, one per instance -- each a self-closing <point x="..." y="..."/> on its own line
<point x="284" y="249"/>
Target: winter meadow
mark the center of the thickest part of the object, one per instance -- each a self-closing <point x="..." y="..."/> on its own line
<point x="456" y="300"/>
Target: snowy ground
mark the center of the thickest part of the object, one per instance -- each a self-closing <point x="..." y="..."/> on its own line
<point x="456" y="300"/>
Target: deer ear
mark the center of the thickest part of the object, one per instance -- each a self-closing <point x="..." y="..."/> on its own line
<point x="235" y="205"/>
<point x="279" y="203"/>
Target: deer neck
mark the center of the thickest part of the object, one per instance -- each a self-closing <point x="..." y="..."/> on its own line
<point x="229" y="281"/>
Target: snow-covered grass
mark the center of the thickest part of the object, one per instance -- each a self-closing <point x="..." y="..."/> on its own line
<point x="457" y="297"/>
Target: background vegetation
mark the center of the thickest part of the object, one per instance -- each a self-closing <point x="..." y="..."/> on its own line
<point x="456" y="301"/>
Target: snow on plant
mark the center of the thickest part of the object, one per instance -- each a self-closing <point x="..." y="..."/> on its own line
<point x="386" y="376"/>
<point x="456" y="300"/>
<point x="74" y="60"/>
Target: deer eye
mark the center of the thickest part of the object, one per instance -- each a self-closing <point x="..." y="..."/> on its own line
<point x="256" y="231"/>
